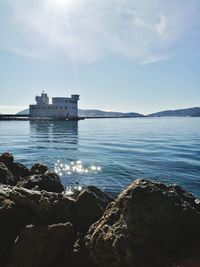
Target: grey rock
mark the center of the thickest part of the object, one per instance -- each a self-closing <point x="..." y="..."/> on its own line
<point x="6" y="177"/>
<point x="90" y="206"/>
<point x="7" y="158"/>
<point x="19" y="170"/>
<point x="149" y="224"/>
<point x="43" y="246"/>
<point x="49" y="182"/>
<point x="20" y="207"/>
<point x="39" y="168"/>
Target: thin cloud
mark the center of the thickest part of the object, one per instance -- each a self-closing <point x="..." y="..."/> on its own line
<point x="144" y="31"/>
<point x="162" y="26"/>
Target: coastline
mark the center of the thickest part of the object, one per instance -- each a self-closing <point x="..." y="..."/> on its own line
<point x="148" y="224"/>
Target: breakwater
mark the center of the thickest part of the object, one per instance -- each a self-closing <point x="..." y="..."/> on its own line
<point x="23" y="117"/>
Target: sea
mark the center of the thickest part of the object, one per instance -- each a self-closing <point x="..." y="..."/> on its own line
<point x="110" y="153"/>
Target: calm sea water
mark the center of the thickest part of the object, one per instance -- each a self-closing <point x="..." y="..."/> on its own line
<point x="162" y="149"/>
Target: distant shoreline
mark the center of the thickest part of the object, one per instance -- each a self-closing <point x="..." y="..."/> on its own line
<point x="14" y="117"/>
<point x="95" y="113"/>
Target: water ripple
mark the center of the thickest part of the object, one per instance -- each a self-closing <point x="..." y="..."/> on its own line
<point x="163" y="149"/>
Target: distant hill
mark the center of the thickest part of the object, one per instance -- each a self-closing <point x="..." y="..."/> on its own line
<point x="96" y="113"/>
<point x="101" y="113"/>
<point x="24" y="112"/>
<point x="188" y="112"/>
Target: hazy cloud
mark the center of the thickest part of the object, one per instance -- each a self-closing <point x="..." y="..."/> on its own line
<point x="11" y="109"/>
<point x="162" y="26"/>
<point x="145" y="31"/>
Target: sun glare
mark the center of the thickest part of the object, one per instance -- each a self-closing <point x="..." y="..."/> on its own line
<point x="59" y="4"/>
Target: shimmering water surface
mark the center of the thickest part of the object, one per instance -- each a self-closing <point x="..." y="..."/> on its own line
<point x="110" y="153"/>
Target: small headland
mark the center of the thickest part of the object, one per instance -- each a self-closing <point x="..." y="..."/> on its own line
<point x="148" y="225"/>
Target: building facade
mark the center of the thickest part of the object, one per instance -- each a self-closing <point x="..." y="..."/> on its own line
<point x="61" y="107"/>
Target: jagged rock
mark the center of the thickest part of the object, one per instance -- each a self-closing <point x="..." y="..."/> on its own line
<point x="7" y="158"/>
<point x="13" y="217"/>
<point x="20" y="206"/>
<point x="80" y="256"/>
<point x="6" y="176"/>
<point x="43" y="246"/>
<point x="49" y="182"/>
<point x="149" y="225"/>
<point x="90" y="205"/>
<point x="19" y="170"/>
<point x="103" y="198"/>
<point x="187" y="263"/>
<point x="39" y="168"/>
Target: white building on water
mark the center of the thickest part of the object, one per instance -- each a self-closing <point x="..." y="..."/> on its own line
<point x="61" y="107"/>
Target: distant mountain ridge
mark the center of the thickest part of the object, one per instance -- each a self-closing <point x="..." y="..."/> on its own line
<point x="101" y="113"/>
<point x="23" y="112"/>
<point x="97" y="113"/>
<point x="188" y="112"/>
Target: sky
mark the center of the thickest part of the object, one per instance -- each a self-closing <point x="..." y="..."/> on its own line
<point x="120" y="55"/>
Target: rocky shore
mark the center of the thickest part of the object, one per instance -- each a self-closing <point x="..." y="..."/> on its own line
<point x="148" y="225"/>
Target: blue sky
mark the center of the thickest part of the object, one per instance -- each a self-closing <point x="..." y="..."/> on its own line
<point x="122" y="55"/>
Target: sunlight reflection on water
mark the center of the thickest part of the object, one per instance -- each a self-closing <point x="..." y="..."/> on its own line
<point x="110" y="153"/>
<point x="77" y="167"/>
<point x="74" y="167"/>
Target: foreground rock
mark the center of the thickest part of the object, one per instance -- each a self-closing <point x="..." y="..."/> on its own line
<point x="149" y="224"/>
<point x="38" y="177"/>
<point x="39" y="168"/>
<point x="18" y="170"/>
<point x="6" y="177"/>
<point x="7" y="159"/>
<point x="43" y="246"/>
<point x="90" y="206"/>
<point x="49" y="182"/>
<point x="20" y="207"/>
